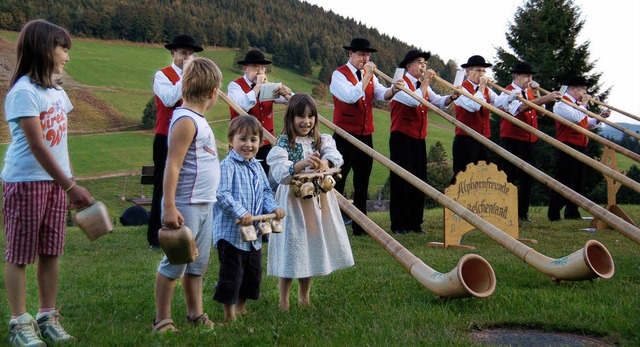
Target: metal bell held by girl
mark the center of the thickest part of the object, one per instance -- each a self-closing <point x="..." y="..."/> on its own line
<point x="327" y="183"/>
<point x="248" y="233"/>
<point x="276" y="226"/>
<point x="295" y="188"/>
<point x="307" y="190"/>
<point x="179" y="245"/>
<point x="264" y="228"/>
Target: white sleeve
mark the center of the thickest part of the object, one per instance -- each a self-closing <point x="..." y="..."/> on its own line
<point x="166" y="91"/>
<point x="342" y="89"/>
<point x="245" y="100"/>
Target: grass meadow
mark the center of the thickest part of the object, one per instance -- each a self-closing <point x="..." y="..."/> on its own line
<point x="107" y="287"/>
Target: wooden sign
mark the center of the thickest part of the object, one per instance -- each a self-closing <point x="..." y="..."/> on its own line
<point x="483" y="190"/>
<point x="609" y="159"/>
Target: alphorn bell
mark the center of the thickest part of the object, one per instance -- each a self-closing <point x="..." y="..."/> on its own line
<point x="473" y="276"/>
<point x="574" y="126"/>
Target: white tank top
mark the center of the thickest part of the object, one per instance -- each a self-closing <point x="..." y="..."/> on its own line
<point x="200" y="172"/>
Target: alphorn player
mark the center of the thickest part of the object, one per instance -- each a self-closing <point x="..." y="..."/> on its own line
<point x="516" y="140"/>
<point x="167" y="87"/>
<point x="407" y="145"/>
<point x="466" y="149"/>
<point x="570" y="171"/>
<point x="354" y="87"/>
<point x="245" y="91"/>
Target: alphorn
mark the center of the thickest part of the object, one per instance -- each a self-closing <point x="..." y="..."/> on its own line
<point x="616" y="147"/>
<point x="629" y="230"/>
<point x="592" y="261"/>
<point x="473" y="276"/>
<point x="552" y="141"/>
<point x="615" y="109"/>
<point x="596" y="116"/>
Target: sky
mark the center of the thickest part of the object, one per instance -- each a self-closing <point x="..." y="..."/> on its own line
<point x="611" y="26"/>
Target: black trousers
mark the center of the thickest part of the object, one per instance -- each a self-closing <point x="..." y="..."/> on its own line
<point x="361" y="164"/>
<point x="467" y="150"/>
<point x="526" y="151"/>
<point x="570" y="172"/>
<point x="160" y="148"/>
<point x="406" y="207"/>
<point x="262" y="156"/>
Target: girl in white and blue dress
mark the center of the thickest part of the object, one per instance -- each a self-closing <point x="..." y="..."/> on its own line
<point x="314" y="241"/>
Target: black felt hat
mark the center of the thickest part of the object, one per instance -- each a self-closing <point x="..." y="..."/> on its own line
<point x="358" y="44"/>
<point x="476" y="60"/>
<point x="184" y="41"/>
<point x="577" y="81"/>
<point x="254" y="56"/>
<point x="413" y="55"/>
<point x="523" y="68"/>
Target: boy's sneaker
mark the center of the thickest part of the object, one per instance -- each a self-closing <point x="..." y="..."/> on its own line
<point x="23" y="331"/>
<point x="51" y="329"/>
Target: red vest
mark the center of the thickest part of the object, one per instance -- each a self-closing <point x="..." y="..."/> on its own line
<point x="263" y="110"/>
<point x="411" y="121"/>
<point x="478" y="121"/>
<point x="164" y="113"/>
<point x="568" y="135"/>
<point x="356" y="118"/>
<point x="510" y="130"/>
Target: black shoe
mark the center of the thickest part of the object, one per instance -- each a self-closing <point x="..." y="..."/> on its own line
<point x="526" y="219"/>
<point x="265" y="238"/>
<point x="400" y="232"/>
<point x="573" y="216"/>
<point x="154" y="248"/>
<point x="419" y="231"/>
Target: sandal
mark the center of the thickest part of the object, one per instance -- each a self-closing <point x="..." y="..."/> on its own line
<point x="201" y="320"/>
<point x="163" y="326"/>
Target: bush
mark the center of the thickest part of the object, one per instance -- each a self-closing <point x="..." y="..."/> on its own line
<point x="149" y="114"/>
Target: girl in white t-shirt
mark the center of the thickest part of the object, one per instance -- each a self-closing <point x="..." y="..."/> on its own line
<point x="37" y="180"/>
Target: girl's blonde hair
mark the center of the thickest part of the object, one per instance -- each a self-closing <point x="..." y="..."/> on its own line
<point x="301" y="104"/>
<point x="35" y="58"/>
<point x="244" y="124"/>
<point x="200" y="77"/>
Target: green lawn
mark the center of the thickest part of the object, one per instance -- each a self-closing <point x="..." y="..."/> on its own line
<point x="106" y="293"/>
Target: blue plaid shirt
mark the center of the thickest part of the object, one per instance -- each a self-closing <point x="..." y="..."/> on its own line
<point x="243" y="189"/>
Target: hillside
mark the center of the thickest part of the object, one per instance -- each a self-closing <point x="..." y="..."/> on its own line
<point x="90" y="112"/>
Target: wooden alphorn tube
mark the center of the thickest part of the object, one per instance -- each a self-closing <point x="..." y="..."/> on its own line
<point x="596" y="116"/>
<point x="605" y="170"/>
<point x="616" y="147"/>
<point x="629" y="230"/>
<point x="615" y="109"/>
<point x="473" y="276"/>
<point x="590" y="262"/>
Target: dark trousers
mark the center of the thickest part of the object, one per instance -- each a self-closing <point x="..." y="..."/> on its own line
<point x="361" y="163"/>
<point x="406" y="207"/>
<point x="570" y="172"/>
<point x="262" y="156"/>
<point x="526" y="151"/>
<point x="467" y="150"/>
<point x="160" y="148"/>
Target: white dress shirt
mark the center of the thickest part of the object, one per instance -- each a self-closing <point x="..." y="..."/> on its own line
<point x="168" y="92"/>
<point x="348" y="93"/>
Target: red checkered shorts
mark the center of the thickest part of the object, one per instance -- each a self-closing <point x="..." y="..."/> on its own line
<point x="34" y="220"/>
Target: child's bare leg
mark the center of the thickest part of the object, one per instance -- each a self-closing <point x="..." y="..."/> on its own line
<point x="47" y="275"/>
<point x="192" y="285"/>
<point x="304" y="288"/>
<point x="164" y="295"/>
<point x="285" y="290"/>
<point x="241" y="306"/>
<point x="229" y="312"/>
<point x="16" y="284"/>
